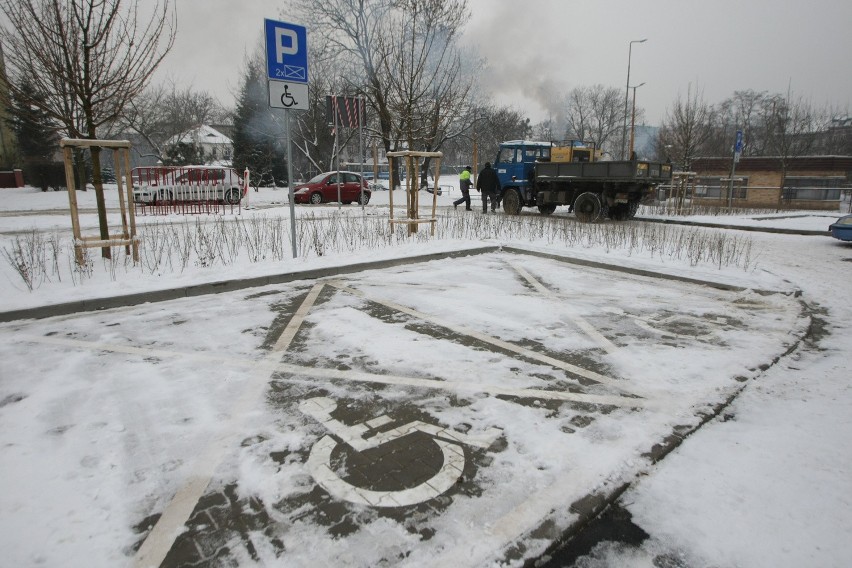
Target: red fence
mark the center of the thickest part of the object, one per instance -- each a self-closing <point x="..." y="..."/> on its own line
<point x="161" y="190"/>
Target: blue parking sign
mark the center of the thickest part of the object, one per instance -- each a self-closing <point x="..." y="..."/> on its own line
<point x="286" y="52"/>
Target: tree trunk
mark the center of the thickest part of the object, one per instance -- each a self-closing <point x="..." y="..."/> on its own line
<point x="99" y="198"/>
<point x="80" y="163"/>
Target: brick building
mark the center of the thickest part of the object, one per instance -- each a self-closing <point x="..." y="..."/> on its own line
<point x="812" y="182"/>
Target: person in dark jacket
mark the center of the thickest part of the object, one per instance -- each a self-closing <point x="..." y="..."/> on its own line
<point x="488" y="184"/>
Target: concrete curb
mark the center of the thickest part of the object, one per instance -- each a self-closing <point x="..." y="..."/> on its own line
<point x="643" y="272"/>
<point x="222" y="286"/>
<point x="738" y="227"/>
<point x="97" y="304"/>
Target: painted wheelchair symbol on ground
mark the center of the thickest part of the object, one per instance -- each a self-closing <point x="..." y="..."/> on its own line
<point x="449" y="442"/>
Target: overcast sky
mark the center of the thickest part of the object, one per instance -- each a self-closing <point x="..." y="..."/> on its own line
<point x="539" y="49"/>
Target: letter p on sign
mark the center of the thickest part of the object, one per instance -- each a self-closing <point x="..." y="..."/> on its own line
<point x="286" y="43"/>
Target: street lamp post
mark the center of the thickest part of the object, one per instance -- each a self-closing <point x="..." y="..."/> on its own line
<point x="627" y="94"/>
<point x="633" y="121"/>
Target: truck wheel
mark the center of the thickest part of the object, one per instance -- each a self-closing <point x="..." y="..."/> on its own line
<point x="547" y="209"/>
<point x="619" y="212"/>
<point x="512" y="202"/>
<point x="587" y="207"/>
<point x="632" y="208"/>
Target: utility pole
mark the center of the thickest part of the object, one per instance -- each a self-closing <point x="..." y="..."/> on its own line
<point x="633" y="121"/>
<point x="627" y="95"/>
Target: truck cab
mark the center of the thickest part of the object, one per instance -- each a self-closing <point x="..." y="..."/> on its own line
<point x="515" y="164"/>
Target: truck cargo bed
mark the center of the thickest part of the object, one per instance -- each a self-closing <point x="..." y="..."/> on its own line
<point x="651" y="172"/>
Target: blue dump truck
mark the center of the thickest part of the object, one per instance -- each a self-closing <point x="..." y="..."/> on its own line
<point x="547" y="174"/>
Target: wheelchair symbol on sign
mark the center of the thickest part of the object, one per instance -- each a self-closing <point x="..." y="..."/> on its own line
<point x="287" y="99"/>
<point x="319" y="461"/>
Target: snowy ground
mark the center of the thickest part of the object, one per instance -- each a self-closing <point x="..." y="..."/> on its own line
<point x="104" y="417"/>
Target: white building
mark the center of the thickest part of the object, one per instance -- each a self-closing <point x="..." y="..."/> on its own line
<point x="216" y="146"/>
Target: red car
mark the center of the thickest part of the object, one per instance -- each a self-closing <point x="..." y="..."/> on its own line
<point x="324" y="189"/>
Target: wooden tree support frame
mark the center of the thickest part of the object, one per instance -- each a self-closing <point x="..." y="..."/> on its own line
<point x="121" y="161"/>
<point x="412" y="181"/>
<point x="682" y="192"/>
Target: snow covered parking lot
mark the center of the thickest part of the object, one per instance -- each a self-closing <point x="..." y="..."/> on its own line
<point x="483" y="394"/>
<point x="544" y="382"/>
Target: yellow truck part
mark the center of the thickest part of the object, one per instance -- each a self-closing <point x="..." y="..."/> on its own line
<point x="573" y="153"/>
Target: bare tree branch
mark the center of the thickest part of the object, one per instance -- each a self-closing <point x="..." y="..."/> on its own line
<point x="87" y="59"/>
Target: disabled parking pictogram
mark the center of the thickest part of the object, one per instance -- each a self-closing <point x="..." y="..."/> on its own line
<point x="358" y="438"/>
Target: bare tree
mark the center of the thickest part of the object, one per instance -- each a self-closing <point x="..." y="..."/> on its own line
<point x="686" y="128"/>
<point x="743" y="111"/>
<point x="428" y="89"/>
<point x="837" y="140"/>
<point x="596" y="113"/>
<point x="545" y="130"/>
<point x="87" y="60"/>
<point x="403" y="56"/>
<point x="165" y="111"/>
<point x="490" y="125"/>
<point x="792" y="133"/>
<point x="498" y="124"/>
<point x="314" y="135"/>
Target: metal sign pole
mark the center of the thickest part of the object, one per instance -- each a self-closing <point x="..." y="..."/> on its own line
<point x="738" y="148"/>
<point x="337" y="151"/>
<point x="287" y="85"/>
<point x="290" y="181"/>
<point x="361" y="149"/>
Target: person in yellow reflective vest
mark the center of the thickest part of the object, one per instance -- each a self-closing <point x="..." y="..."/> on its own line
<point x="464" y="185"/>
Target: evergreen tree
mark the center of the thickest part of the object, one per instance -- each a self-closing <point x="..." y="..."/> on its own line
<point x="36" y="133"/>
<point x="37" y="139"/>
<point x="258" y="139"/>
<point x="183" y="154"/>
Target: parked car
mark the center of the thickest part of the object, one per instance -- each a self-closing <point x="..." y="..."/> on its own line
<point x="842" y="229"/>
<point x="186" y="184"/>
<point x="324" y="189"/>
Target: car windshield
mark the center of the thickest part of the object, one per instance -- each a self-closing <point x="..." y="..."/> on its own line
<point x="317" y="179"/>
<point x="845" y="221"/>
<point x="204" y="175"/>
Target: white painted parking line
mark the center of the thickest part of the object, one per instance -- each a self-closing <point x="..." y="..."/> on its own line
<point x="170" y="524"/>
<point x="130" y="350"/>
<point x="464" y="386"/>
<point x="379" y="421"/>
<point x="295" y="322"/>
<point x="461" y="330"/>
<point x="353" y="375"/>
<point x="578" y="320"/>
